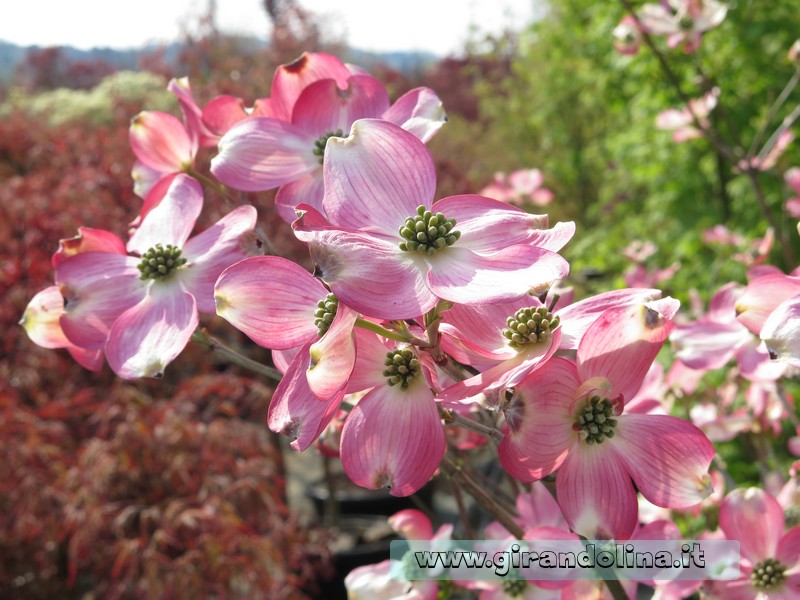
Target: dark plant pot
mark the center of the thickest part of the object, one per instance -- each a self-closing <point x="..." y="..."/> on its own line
<point x="355" y="500"/>
<point x="363" y="540"/>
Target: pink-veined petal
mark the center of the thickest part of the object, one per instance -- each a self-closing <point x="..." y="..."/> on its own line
<point x="479" y="327"/>
<point x="153" y="198"/>
<point x="88" y="359"/>
<point x="291" y="79"/>
<point x="199" y="134"/>
<point x="270" y="299"/>
<point x="324" y="107"/>
<point x="295" y="411"/>
<point x="370" y="275"/>
<point x="623" y="342"/>
<point x="459" y="275"/>
<point x="371" y="353"/>
<point x="222" y="113"/>
<point x="283" y="358"/>
<point x="393" y="439"/>
<point x="667" y="457"/>
<point x="88" y="240"/>
<point x="788" y="551"/>
<point x="755" y="363"/>
<point x="539" y="422"/>
<point x="226" y="242"/>
<point x="41" y="323"/>
<point x="262" y="153"/>
<point x="41" y="319"/>
<point x="418" y="111"/>
<point x="412" y="524"/>
<point x="489" y="225"/>
<point x="148" y="336"/>
<point x="144" y="178"/>
<point x="486" y="387"/>
<point x="307" y="189"/>
<point x="576" y="318"/>
<point x="596" y="493"/>
<point x="161" y="141"/>
<point x="708" y="345"/>
<point x="538" y="508"/>
<point x="97" y="287"/>
<point x="781" y="332"/>
<point x="376" y="177"/>
<point x="755" y="518"/>
<point x="722" y="307"/>
<point x="172" y="220"/>
<point x="763" y="295"/>
<point x="332" y="358"/>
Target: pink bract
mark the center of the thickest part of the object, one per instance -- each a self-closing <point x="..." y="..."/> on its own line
<point x="719" y="337"/>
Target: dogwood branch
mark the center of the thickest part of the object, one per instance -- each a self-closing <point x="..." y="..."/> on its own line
<point x="202" y="337"/>
<point x="461" y="477"/>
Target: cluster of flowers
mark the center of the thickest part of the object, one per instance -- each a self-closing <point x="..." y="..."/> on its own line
<point x="683" y="22"/>
<point x="769" y="565"/>
<point x="755" y="326"/>
<point x="418" y="313"/>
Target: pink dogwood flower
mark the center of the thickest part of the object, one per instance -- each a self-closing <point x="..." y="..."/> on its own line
<point x="768" y="157"/>
<point x="288" y="81"/>
<point x="373" y="582"/>
<point x="519" y="187"/>
<point x="627" y="36"/>
<point x="682" y="21"/>
<point x="164" y="146"/>
<point x="569" y="417"/>
<point x="792" y="179"/>
<point x="770" y="308"/>
<point x="684" y="122"/>
<point x="42" y="317"/>
<point x="719" y="337"/>
<point x="286" y="150"/>
<point x="142" y="308"/>
<point x="389" y="253"/>
<point x="515" y="338"/>
<point x="770" y="557"/>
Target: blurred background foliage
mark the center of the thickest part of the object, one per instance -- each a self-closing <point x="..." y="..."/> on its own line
<point x="585" y="116"/>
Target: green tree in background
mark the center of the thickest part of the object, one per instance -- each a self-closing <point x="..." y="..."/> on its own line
<point x="585" y="115"/>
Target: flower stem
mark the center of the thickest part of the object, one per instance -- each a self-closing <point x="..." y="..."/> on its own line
<point x="210" y="183"/>
<point x="773" y="110"/>
<point x="202" y="337"/>
<point x="788" y="254"/>
<point x="708" y="130"/>
<point x="457" y="418"/>
<point x="616" y="589"/>
<point x="488" y="502"/>
<point x="387" y="333"/>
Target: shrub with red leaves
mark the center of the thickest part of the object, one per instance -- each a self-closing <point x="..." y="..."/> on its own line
<point x="170" y="488"/>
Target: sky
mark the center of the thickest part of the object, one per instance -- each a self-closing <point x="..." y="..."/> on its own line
<point x="438" y="26"/>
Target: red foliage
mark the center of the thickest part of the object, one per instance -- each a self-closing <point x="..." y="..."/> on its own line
<point x="48" y="68"/>
<point x="170" y="488"/>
